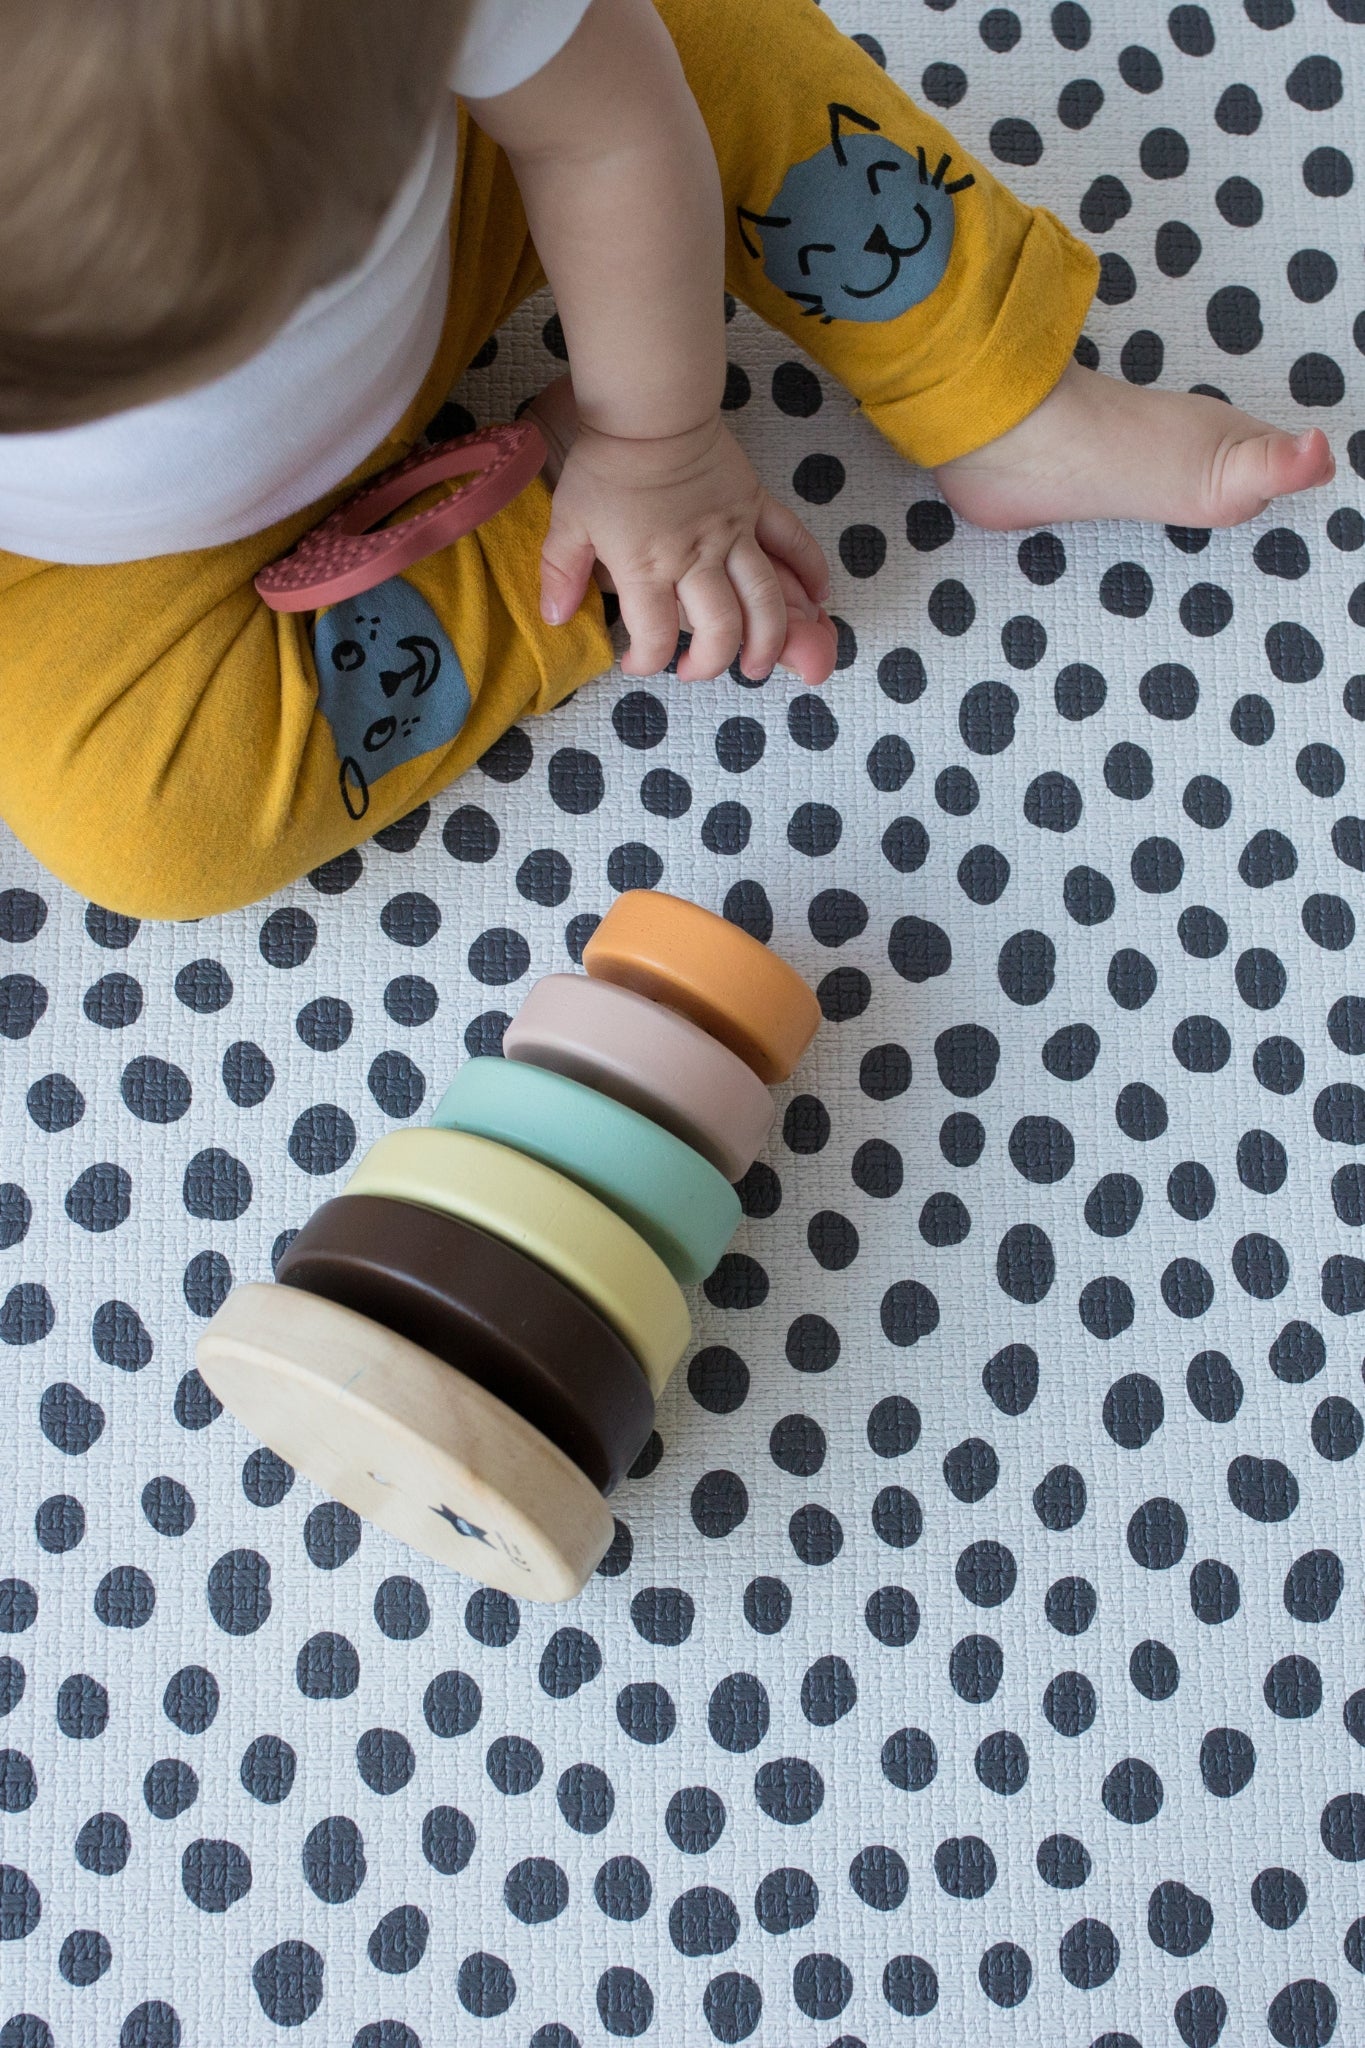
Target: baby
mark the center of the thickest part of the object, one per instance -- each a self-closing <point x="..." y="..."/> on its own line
<point x="248" y="246"/>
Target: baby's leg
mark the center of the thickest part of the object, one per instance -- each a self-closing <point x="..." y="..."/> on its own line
<point x="950" y="309"/>
<point x="173" y="749"/>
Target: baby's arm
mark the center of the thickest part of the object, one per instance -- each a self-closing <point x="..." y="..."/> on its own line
<point x="621" y="191"/>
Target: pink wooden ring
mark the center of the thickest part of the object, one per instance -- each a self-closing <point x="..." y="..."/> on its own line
<point x="341" y="557"/>
<point x="649" y="1058"/>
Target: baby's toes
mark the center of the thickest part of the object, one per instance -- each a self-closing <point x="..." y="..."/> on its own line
<point x="1246" y="474"/>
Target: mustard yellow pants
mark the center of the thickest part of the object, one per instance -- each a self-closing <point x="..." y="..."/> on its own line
<point x="174" y="749"/>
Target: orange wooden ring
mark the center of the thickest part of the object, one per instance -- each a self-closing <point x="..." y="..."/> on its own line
<point x="700" y="964"/>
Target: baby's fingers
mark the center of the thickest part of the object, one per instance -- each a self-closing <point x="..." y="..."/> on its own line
<point x="717" y="623"/>
<point x="566" y="563"/>
<point x="782" y="535"/>
<point x="764" y="606"/>
<point x="649" y="613"/>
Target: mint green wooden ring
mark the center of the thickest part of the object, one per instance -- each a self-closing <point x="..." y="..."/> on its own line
<point x="676" y="1199"/>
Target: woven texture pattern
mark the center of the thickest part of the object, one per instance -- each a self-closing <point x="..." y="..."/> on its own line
<point x="979" y="1652"/>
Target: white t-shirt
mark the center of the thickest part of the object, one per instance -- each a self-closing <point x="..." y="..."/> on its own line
<point x="228" y="459"/>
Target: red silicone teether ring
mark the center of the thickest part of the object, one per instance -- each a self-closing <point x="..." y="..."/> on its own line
<point x="341" y="557"/>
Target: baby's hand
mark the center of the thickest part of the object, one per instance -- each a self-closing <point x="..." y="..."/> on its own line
<point x="679" y="522"/>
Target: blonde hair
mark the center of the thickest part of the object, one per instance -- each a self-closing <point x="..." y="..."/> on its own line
<point x="176" y="175"/>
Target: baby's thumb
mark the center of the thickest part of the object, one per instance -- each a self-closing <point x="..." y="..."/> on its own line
<point x="566" y="564"/>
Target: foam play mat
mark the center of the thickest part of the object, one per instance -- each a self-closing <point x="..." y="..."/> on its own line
<point x="978" y="1652"/>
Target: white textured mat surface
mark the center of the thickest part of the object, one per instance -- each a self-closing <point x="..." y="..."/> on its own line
<point x="981" y="1657"/>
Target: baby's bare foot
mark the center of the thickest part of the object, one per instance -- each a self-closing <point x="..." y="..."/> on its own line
<point x="1100" y="449"/>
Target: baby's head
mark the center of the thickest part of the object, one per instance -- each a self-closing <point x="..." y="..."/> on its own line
<point x="177" y="175"/>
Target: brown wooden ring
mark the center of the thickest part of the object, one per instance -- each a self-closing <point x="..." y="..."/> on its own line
<point x="501" y="1320"/>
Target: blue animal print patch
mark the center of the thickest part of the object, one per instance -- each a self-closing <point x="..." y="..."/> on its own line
<point x="390" y="684"/>
<point x="861" y="231"/>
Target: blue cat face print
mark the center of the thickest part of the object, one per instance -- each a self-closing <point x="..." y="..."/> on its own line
<point x="861" y="231"/>
<point x="390" y="684"/>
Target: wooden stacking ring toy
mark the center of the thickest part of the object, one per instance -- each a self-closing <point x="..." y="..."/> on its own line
<point x="406" y="1441"/>
<point x="727" y="982"/>
<point x="650" y="1059"/>
<point x="502" y="1320"/>
<point x="552" y="1220"/>
<point x="673" y="1197"/>
<point x="466" y="1344"/>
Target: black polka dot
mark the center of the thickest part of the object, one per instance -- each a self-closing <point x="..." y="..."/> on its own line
<point x="103" y="1844"/>
<point x="812" y="1344"/>
<point x="828" y="1692"/>
<point x="1353" y="1716"/>
<point x="1215" y="1595"/>
<point x="1200" y="2015"/>
<point x="1052" y="802"/>
<point x="694" y="1819"/>
<point x="719" y="1503"/>
<point x="816" y="1534"/>
<point x="622" y="1888"/>
<point x="1070" y="1605"/>
<point x="1177" y="248"/>
<point x="322" y="1139"/>
<point x="1345" y="526"/>
<point x="1027" y="967"/>
<point x="956" y="791"/>
<point x="892" y="1616"/>
<point x="1157" y="1534"/>
<point x="1104" y="203"/>
<point x="267" y="1770"/>
<point x="536" y="1890"/>
<point x="901" y="675"/>
<point x="1342" y="1827"/>
<point x="1303" y="2014"/>
<point x="1338" y="1428"/>
<point x="55" y="1103"/>
<point x="1063" y="1862"/>
<point x="726" y="827"/>
<point x="1202" y="933"/>
<point x="469" y="834"/>
<point x="905" y="843"/>
<point x="1071" y="1053"/>
<point x="986" y="1572"/>
<point x="732" y="2004"/>
<point x="986" y="717"/>
<point x="214" y="1874"/>
<point x="23" y="1002"/>
<point x="796" y="391"/>
<point x="976" y="1666"/>
<point x="327" y="1667"/>
<point x="962" y="1138"/>
<point x="1070" y="1703"/>
<point x="82" y="1702"/>
<point x="944" y="1220"/>
<point x="485" y="1985"/>
<point x="1227" y="1760"/>
<point x="1279" y="1897"/>
<point x="1132" y="1792"/>
<point x="1132" y="978"/>
<point x="885" y="1072"/>
<point x="943" y="85"/>
<point x="1059" y="1499"/>
<point x="1010" y="1378"/>
<point x="1128" y="771"/>
<point x="909" y="1311"/>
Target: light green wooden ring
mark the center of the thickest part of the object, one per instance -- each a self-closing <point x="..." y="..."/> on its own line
<point x="674" y="1198"/>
